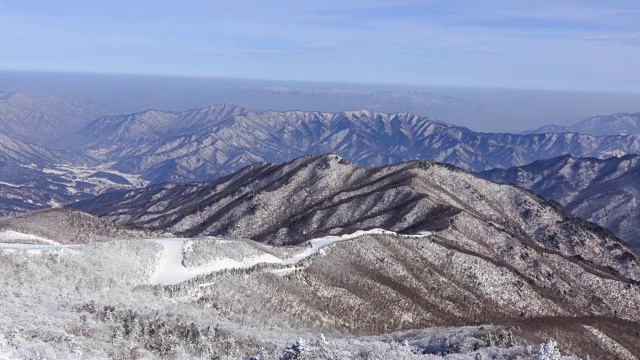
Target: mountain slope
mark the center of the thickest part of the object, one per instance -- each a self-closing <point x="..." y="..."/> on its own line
<point x="498" y="253"/>
<point x="313" y="196"/>
<point x="616" y="124"/>
<point x="33" y="177"/>
<point x="67" y="226"/>
<point x="112" y="136"/>
<point x="40" y="120"/>
<point x="204" y="144"/>
<point x="606" y="192"/>
<point x="17" y="152"/>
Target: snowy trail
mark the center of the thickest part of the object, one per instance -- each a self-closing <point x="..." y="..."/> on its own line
<point x="171" y="271"/>
<point x="11" y="236"/>
<point x="315" y="245"/>
<point x="16" y="241"/>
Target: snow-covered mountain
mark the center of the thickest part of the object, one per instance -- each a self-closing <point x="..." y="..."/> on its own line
<point x="482" y="251"/>
<point x="111" y="136"/>
<point x="33" y="177"/>
<point x="312" y="196"/>
<point x="207" y="143"/>
<point x="411" y="261"/>
<point x="17" y="152"/>
<point x="606" y="192"/>
<point x="41" y="120"/>
<point x="616" y="124"/>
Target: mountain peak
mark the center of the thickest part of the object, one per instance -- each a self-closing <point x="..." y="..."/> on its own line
<point x="358" y="113"/>
<point x="601" y="125"/>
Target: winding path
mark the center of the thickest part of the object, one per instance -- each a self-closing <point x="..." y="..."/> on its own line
<point x="170" y="269"/>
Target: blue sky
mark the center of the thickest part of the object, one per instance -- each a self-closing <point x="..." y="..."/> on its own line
<point x="577" y="45"/>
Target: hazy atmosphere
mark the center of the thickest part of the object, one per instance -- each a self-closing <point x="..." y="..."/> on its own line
<point x="474" y="53"/>
<point x="499" y="110"/>
<point x="575" y="45"/>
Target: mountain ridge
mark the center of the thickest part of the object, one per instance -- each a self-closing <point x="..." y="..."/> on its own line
<point x="39" y="120"/>
<point x="225" y="141"/>
<point x="614" y="124"/>
<point x="494" y="252"/>
<point x="604" y="191"/>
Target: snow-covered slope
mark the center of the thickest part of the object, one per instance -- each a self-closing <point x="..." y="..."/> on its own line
<point x="312" y="197"/>
<point x="467" y="275"/>
<point x="206" y="143"/>
<point x="41" y="120"/>
<point x="68" y="227"/>
<point x="181" y="262"/>
<point x="94" y="303"/>
<point x="494" y="254"/>
<point x="606" y="192"/>
<point x="171" y="269"/>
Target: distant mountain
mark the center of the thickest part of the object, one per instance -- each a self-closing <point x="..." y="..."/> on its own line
<point x="112" y="136"/>
<point x="17" y="152"/>
<point x="337" y="99"/>
<point x="606" y="192"/>
<point x="616" y="124"/>
<point x="33" y="177"/>
<point x="215" y="141"/>
<point x="41" y="120"/>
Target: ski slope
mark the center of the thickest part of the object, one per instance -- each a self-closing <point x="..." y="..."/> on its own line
<point x="170" y="269"/>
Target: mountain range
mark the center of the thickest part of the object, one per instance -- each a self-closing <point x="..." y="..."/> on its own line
<point x="603" y="191"/>
<point x="616" y="124"/>
<point x="127" y="151"/>
<point x="275" y="239"/>
<point x="203" y="144"/>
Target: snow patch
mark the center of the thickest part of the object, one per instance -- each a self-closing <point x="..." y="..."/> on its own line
<point x="315" y="245"/>
<point x="170" y="269"/>
<point x="11" y="236"/>
<point x="14" y="241"/>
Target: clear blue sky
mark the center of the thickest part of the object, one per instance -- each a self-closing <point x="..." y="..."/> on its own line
<point x="548" y="44"/>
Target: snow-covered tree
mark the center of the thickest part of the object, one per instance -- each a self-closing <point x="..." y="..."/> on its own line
<point x="548" y="351"/>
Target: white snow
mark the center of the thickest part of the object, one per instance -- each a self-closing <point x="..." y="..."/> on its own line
<point x="11" y="236"/>
<point x="11" y="241"/>
<point x="286" y="271"/>
<point x="315" y="245"/>
<point x="170" y="269"/>
<point x="54" y="204"/>
<point x="6" y="355"/>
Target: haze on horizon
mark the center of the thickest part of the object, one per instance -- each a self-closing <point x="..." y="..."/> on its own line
<point x="174" y="56"/>
<point x="541" y="44"/>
